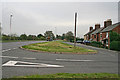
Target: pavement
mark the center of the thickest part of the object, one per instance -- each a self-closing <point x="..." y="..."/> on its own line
<point x="19" y="62"/>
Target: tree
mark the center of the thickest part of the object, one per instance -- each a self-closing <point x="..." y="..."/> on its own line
<point x="49" y="34"/>
<point x="32" y="37"/>
<point x="79" y="39"/>
<point x="58" y="37"/>
<point x="23" y="37"/>
<point x="69" y="36"/>
<point x="29" y="37"/>
<point x="5" y="37"/>
<point x="63" y="36"/>
<point x="40" y="35"/>
<point x="14" y="37"/>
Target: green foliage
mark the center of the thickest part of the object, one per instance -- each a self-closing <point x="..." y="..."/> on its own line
<point x="79" y="39"/>
<point x="115" y="45"/>
<point x="63" y="36"/>
<point x="69" y="36"/>
<point x="114" y="41"/>
<point x="114" y="36"/>
<point x="42" y="38"/>
<point x="96" y="44"/>
<point x="5" y="37"/>
<point x="58" y="37"/>
<point x="40" y="35"/>
<point x="49" y="34"/>
<point x="23" y="37"/>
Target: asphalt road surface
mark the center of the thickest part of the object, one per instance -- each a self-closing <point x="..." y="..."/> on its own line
<point x="19" y="62"/>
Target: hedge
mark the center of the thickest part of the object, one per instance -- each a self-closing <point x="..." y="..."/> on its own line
<point x="115" y="45"/>
<point x="96" y="44"/>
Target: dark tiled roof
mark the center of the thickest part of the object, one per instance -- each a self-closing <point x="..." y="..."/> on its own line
<point x="97" y="30"/>
<point x="90" y="32"/>
<point x="109" y="28"/>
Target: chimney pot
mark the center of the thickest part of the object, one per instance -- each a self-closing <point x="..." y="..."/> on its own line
<point x="97" y="26"/>
<point x="107" y="23"/>
<point x="91" y="28"/>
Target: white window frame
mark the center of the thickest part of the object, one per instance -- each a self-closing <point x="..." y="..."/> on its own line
<point x="107" y="35"/>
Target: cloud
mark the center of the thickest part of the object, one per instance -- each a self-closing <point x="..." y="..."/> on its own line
<point x="35" y="18"/>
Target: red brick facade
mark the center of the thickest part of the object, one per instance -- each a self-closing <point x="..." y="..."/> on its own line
<point x="103" y="36"/>
<point x="117" y="29"/>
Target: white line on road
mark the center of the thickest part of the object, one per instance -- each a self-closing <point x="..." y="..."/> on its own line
<point x="73" y="60"/>
<point x="27" y="64"/>
<point x="28" y="58"/>
<point x="16" y="57"/>
<point x="8" y="49"/>
<point x="8" y="57"/>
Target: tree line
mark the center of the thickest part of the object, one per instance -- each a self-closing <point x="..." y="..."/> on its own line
<point x="65" y="36"/>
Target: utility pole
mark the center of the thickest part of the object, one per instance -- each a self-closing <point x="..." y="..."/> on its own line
<point x="75" y="30"/>
<point x="10" y="24"/>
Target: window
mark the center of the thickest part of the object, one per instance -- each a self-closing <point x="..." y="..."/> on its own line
<point x="100" y="35"/>
<point x="94" y="36"/>
<point x="107" y="35"/>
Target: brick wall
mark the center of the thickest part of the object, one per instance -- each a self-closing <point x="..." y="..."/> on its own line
<point x="117" y="29"/>
<point x="103" y="35"/>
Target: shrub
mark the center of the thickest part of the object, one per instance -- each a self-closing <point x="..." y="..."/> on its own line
<point x="114" y="45"/>
<point x="96" y="44"/>
<point x="114" y="36"/>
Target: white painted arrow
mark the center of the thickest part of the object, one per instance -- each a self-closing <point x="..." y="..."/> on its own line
<point x="28" y="64"/>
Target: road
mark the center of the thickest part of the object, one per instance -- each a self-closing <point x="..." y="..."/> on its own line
<point x="19" y="62"/>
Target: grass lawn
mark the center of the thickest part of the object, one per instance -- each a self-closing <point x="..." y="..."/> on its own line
<point x="57" y="47"/>
<point x="73" y="75"/>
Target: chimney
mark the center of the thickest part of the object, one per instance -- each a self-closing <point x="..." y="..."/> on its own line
<point x="107" y="23"/>
<point x="91" y="28"/>
<point x="97" y="26"/>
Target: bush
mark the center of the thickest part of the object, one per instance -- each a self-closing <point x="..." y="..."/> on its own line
<point x="96" y="44"/>
<point x="114" y="45"/>
<point x="114" y="36"/>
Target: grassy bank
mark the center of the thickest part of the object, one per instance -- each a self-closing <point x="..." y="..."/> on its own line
<point x="57" y="47"/>
<point x="70" y="75"/>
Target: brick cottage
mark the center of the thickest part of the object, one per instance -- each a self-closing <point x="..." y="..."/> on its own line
<point x="101" y="34"/>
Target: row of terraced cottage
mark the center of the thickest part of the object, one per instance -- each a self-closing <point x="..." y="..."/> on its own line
<point x="101" y="34"/>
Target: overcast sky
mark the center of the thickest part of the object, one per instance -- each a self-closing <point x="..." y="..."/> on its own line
<point x="38" y="17"/>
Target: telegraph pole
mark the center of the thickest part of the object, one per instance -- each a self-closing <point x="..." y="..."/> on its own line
<point x="75" y="30"/>
<point x="10" y="24"/>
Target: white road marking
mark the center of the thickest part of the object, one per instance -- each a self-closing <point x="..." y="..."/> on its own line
<point x="28" y="58"/>
<point x="28" y="64"/>
<point x="16" y="57"/>
<point x="72" y="60"/>
<point x="8" y="50"/>
<point x="14" y="48"/>
<point x="8" y="57"/>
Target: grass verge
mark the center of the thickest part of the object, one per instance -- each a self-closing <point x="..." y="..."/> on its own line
<point x="57" y="47"/>
<point x="77" y="75"/>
